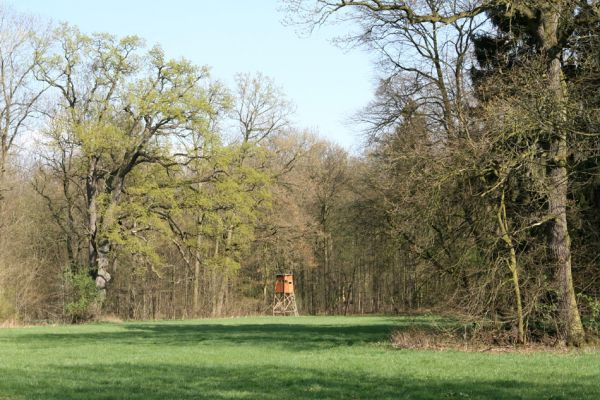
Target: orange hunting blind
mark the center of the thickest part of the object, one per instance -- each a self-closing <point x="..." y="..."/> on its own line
<point x="284" y="283"/>
<point x="284" y="299"/>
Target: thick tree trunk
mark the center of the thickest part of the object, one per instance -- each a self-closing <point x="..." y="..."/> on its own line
<point x="560" y="245"/>
<point x="98" y="248"/>
<point x="98" y="251"/>
<point x="103" y="261"/>
<point x="91" y="187"/>
<point x="559" y="241"/>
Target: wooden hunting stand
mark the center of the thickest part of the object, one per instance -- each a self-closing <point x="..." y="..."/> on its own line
<point x="284" y="299"/>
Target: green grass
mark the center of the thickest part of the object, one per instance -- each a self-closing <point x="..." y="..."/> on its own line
<point x="273" y="358"/>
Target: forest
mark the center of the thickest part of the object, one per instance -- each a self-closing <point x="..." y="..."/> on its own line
<point x="137" y="186"/>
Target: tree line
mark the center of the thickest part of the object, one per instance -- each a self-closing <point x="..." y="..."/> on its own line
<point x="138" y="186"/>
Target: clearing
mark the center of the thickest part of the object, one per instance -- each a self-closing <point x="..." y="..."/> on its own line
<point x="274" y="358"/>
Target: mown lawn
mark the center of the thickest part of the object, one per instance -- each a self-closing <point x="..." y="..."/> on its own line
<point x="273" y="358"/>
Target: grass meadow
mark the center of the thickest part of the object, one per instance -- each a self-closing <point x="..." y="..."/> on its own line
<point x="274" y="358"/>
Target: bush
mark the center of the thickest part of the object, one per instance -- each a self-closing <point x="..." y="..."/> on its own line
<point x="82" y="296"/>
<point x="590" y="313"/>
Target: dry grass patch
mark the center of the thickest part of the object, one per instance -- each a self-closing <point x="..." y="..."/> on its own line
<point x="111" y="319"/>
<point x="10" y="323"/>
<point x="481" y="341"/>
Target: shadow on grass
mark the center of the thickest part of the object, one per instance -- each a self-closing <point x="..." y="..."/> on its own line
<point x="163" y="381"/>
<point x="104" y="373"/>
<point x="298" y="337"/>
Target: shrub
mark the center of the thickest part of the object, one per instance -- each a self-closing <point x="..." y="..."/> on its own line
<point x="590" y="313"/>
<point x="82" y="296"/>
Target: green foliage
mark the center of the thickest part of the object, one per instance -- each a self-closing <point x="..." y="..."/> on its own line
<point x="101" y="138"/>
<point x="591" y="314"/>
<point x="82" y="295"/>
<point x="225" y="265"/>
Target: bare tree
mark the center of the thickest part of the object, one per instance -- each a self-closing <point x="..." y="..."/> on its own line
<point x="22" y="41"/>
<point x="261" y="109"/>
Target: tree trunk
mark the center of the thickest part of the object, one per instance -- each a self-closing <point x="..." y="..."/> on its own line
<point x="214" y="281"/>
<point x="196" y="294"/>
<point x="3" y="157"/>
<point x="102" y="263"/>
<point x="560" y="245"/>
<point x="513" y="267"/>
<point x="98" y="248"/>
<point x="91" y="186"/>
<point x="559" y="241"/>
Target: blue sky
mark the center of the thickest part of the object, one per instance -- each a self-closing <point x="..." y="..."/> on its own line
<point x="327" y="84"/>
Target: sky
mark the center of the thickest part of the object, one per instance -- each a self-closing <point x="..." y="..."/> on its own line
<point x="327" y="84"/>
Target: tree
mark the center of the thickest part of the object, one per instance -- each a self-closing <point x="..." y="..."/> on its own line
<point x="22" y="42"/>
<point x="551" y="25"/>
<point x="532" y="41"/>
<point x="120" y="108"/>
<point x="224" y="188"/>
<point x="261" y="109"/>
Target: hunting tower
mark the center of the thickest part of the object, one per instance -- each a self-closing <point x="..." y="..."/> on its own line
<point x="284" y="300"/>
